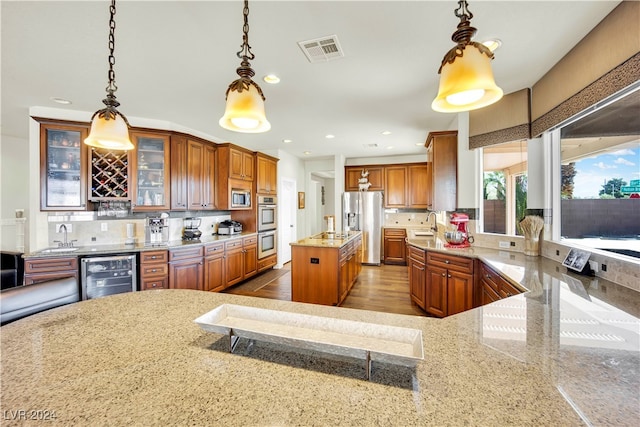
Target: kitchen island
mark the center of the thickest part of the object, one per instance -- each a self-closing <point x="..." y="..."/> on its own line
<point x="325" y="266"/>
<point x="139" y="359"/>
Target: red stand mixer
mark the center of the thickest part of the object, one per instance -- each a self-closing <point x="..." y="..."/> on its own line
<point x="460" y="237"/>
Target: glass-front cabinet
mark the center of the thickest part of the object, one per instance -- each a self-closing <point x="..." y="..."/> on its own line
<point x="63" y="171"/>
<point x="150" y="176"/>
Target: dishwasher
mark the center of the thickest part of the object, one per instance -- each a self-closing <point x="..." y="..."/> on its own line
<point x="107" y="275"/>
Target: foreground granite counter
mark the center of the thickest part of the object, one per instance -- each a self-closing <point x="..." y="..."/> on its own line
<point x="554" y="357"/>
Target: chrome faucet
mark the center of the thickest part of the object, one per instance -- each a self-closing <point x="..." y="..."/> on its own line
<point x="434" y="227"/>
<point x="64" y="243"/>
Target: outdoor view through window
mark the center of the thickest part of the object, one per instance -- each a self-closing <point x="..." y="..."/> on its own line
<point x="600" y="178"/>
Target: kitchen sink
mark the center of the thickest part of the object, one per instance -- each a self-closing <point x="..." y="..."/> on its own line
<point x="424" y="232"/>
<point x="56" y="250"/>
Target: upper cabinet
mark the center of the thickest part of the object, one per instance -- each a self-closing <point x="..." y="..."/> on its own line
<point x="419" y="188"/>
<point x="353" y="174"/>
<point x="267" y="173"/>
<point x="442" y="163"/>
<point x="395" y="184"/>
<point x="235" y="171"/>
<point x="150" y="172"/>
<point x="63" y="171"/>
<point x="193" y="174"/>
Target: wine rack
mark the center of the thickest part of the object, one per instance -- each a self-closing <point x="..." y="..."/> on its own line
<point x="109" y="174"/>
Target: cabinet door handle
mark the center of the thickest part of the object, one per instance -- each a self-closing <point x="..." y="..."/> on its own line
<point x="488" y="276"/>
<point x="448" y="275"/>
<point x="153" y="257"/>
<point x="153" y="285"/>
<point x="443" y="274"/>
<point x="153" y="270"/>
<point x="446" y="261"/>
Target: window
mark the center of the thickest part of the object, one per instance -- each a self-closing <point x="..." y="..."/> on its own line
<point x="504" y="187"/>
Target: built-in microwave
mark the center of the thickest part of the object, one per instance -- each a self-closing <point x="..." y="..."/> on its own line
<point x="240" y="198"/>
<point x="267" y="213"/>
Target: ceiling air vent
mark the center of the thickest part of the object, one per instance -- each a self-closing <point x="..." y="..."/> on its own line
<point x="322" y="49"/>
<point x="369" y="146"/>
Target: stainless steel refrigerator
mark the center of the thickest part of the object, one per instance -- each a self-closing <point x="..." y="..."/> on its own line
<point x="363" y="212"/>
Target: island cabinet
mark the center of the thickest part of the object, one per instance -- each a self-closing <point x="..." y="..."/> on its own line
<point x="154" y="270"/>
<point x="442" y="165"/>
<point x="38" y="270"/>
<point x="214" y="272"/>
<point x="492" y="286"/>
<point x="449" y="284"/>
<point x="417" y="262"/>
<point x="186" y="268"/>
<point x="149" y="181"/>
<point x="63" y="166"/>
<point x="395" y="246"/>
<point x="235" y="171"/>
<point x="323" y="271"/>
<point x="267" y="174"/>
<point x="193" y="174"/>
<point x="375" y="175"/>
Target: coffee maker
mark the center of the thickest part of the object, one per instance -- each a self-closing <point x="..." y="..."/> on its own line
<point x="191" y="231"/>
<point x="156" y="231"/>
<point x="458" y="238"/>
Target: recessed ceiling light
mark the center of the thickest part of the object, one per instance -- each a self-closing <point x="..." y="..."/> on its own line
<point x="386" y="132"/>
<point x="271" y="79"/>
<point x="329" y="136"/>
<point x="419" y="144"/>
<point x="306" y="153"/>
<point x="286" y="141"/>
<point x="492" y="44"/>
<point x="60" y="100"/>
<point x="389" y="147"/>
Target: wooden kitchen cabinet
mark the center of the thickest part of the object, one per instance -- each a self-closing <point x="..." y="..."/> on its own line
<point x="250" y="258"/>
<point x="442" y="160"/>
<point x="354" y="173"/>
<point x="186" y="269"/>
<point x="149" y="180"/>
<point x="395" y="246"/>
<point x="267" y="174"/>
<point x="193" y="174"/>
<point x="419" y="188"/>
<point x="214" y="275"/>
<point x="241" y="164"/>
<point x="395" y="185"/>
<point x="417" y="262"/>
<point x="235" y="169"/>
<point x="233" y="262"/>
<point x="449" y="284"/>
<point x="154" y="270"/>
<point x="492" y="286"/>
<point x="63" y="166"/>
<point x="38" y="270"/>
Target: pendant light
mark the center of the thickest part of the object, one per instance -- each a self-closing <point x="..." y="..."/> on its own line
<point x="245" y="101"/>
<point x="466" y="78"/>
<point x="110" y="128"/>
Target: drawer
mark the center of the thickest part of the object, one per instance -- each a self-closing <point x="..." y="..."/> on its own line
<point x="456" y="263"/>
<point x="158" y="283"/>
<point x="185" y="253"/>
<point x="234" y="244"/>
<point x="154" y="270"/>
<point x="251" y="240"/>
<point x="214" y="250"/>
<point x="507" y="289"/>
<point x="490" y="277"/>
<point x="267" y="262"/>
<point x="395" y="232"/>
<point x="154" y="256"/>
<point x="46" y="265"/>
<point x="417" y="254"/>
<point x="45" y="277"/>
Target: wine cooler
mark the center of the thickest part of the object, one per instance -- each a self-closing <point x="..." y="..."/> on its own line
<point x="109" y="275"/>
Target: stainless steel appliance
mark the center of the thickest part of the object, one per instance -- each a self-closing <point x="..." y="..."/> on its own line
<point x="229" y="227"/>
<point x="102" y="276"/>
<point x="191" y="231"/>
<point x="156" y="231"/>
<point x="240" y="198"/>
<point x="267" y="213"/>
<point x="363" y="211"/>
<point x="266" y="244"/>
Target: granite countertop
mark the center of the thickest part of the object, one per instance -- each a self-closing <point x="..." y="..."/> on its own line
<point x="564" y="353"/>
<point x="323" y="240"/>
<point x="137" y="247"/>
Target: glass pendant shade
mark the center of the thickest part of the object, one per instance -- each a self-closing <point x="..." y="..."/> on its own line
<point x="244" y="111"/>
<point x="466" y="84"/>
<point x="112" y="134"/>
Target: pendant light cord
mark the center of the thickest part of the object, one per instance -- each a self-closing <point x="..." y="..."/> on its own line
<point x="245" y="49"/>
<point x="111" y="75"/>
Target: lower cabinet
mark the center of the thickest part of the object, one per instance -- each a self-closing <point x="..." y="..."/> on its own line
<point x="449" y="284"/>
<point x="186" y="269"/>
<point x="492" y="286"/>
<point x="417" y="275"/>
<point x="395" y="246"/>
<point x="241" y="259"/>
<point x="154" y="270"/>
<point x="44" y="269"/>
<point x="267" y="263"/>
<point x="214" y="273"/>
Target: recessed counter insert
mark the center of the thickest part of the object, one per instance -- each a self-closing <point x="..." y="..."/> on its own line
<point x="369" y="341"/>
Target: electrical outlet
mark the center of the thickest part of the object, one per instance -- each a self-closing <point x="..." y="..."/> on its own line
<point x="93" y="239"/>
<point x="512" y="244"/>
<point x="59" y="228"/>
<point x="604" y="267"/>
<point x="503" y="244"/>
<point x="104" y="226"/>
<point x="593" y="265"/>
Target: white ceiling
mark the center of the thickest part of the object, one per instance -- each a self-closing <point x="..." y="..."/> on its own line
<point x="175" y="59"/>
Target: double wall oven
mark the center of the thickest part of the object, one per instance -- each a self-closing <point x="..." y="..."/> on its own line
<point x="267" y="223"/>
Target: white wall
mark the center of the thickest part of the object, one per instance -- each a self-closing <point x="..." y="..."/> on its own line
<point x="14" y="190"/>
